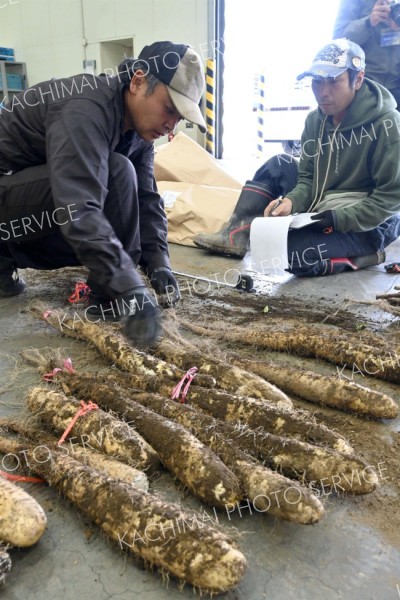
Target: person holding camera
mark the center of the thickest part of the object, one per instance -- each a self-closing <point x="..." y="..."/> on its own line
<point x="375" y="26"/>
<point x="77" y="182"/>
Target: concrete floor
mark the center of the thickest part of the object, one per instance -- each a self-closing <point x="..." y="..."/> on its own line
<point x="338" y="558"/>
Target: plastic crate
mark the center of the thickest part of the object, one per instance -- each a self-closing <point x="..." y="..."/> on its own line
<point x="7" y="54"/>
<point x="14" y="82"/>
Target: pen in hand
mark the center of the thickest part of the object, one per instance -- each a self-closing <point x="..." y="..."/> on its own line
<point x="278" y="203"/>
<point x="280" y="207"/>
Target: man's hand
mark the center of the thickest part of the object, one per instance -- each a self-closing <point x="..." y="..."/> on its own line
<point x="165" y="284"/>
<point x="324" y="220"/>
<point x="380" y="13"/>
<point x="279" y="208"/>
<point x="142" y="326"/>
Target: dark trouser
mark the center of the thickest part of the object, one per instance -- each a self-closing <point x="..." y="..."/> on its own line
<point x="310" y="249"/>
<point x="396" y="94"/>
<point x="31" y="230"/>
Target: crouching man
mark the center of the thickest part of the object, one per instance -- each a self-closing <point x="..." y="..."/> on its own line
<point x="348" y="173"/>
<point x="77" y="184"/>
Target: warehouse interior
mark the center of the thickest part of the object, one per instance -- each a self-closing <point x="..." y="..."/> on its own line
<point x="352" y="550"/>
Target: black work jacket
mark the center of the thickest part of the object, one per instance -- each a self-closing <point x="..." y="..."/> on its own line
<point x="73" y="124"/>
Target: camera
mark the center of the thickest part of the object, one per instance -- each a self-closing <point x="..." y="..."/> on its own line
<point x="395" y="11"/>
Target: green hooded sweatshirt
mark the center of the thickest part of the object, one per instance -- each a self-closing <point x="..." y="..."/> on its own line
<point x="354" y="171"/>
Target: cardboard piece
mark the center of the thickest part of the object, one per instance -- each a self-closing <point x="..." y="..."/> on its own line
<point x="193" y="209"/>
<point x="183" y="159"/>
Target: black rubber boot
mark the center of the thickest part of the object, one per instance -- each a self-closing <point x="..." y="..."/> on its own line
<point x="369" y="260"/>
<point x="10" y="283"/>
<point x="233" y="238"/>
<point x="339" y="265"/>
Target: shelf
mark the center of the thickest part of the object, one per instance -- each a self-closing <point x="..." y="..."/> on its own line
<point x="12" y="73"/>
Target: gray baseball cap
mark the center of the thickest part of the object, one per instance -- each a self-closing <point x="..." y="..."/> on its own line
<point x="335" y="58"/>
<point x="181" y="69"/>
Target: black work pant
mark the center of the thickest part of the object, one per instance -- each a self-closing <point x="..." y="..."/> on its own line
<point x="31" y="226"/>
<point x="308" y="248"/>
<point x="396" y="94"/>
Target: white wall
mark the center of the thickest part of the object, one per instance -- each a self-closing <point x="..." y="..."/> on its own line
<point x="48" y="34"/>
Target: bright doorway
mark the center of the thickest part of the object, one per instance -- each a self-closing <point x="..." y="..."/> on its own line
<point x="113" y="52"/>
<point x="277" y="39"/>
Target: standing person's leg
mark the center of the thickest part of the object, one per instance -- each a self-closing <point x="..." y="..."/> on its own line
<point x="312" y="253"/>
<point x="275" y="178"/>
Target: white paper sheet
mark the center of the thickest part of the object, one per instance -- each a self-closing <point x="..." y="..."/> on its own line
<point x="268" y="241"/>
<point x="268" y="244"/>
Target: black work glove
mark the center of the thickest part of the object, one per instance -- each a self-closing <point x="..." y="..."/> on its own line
<point x="324" y="220"/>
<point x="142" y="326"/>
<point x="165" y="284"/>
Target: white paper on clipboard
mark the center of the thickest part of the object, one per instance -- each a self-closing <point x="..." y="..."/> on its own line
<point x="268" y="241"/>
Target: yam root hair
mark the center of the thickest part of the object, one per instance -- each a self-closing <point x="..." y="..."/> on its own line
<point x="113" y="346"/>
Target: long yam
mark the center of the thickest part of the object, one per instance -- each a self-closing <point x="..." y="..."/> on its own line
<point x="330" y="343"/>
<point x="114" y="347"/>
<point x="237" y="377"/>
<point x="22" y="519"/>
<point x="111" y="467"/>
<point x="257" y="413"/>
<point x="161" y="533"/>
<point x="314" y="463"/>
<point x="325" y="390"/>
<point x="255" y="480"/>
<point x="96" y="460"/>
<point x="320" y="467"/>
<point x="293" y="457"/>
<point x="193" y="463"/>
<point x="227" y="376"/>
<point x="254" y="412"/>
<point x="98" y="429"/>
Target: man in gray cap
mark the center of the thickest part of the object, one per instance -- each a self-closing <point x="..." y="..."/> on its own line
<point x="349" y="174"/>
<point x="77" y="184"/>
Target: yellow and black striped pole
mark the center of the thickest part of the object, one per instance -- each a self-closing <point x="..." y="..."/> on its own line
<point x="260" y="115"/>
<point x="210" y="105"/>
